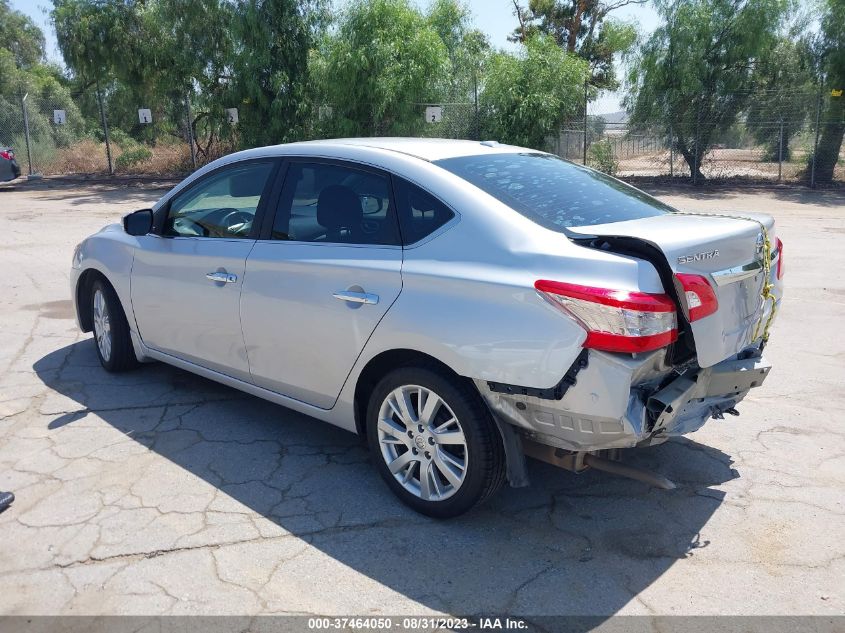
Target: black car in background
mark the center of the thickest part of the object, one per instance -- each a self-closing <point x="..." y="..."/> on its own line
<point x="9" y="169"/>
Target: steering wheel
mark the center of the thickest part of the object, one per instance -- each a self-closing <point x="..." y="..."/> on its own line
<point x="236" y="221"/>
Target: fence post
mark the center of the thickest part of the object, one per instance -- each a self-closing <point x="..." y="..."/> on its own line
<point x="191" y="132"/>
<point x="671" y="152"/>
<point x="585" y="120"/>
<point x="780" y="152"/>
<point x="816" y="141"/>
<point x="105" y="129"/>
<point x="695" y="159"/>
<point x="477" y="126"/>
<point x="26" y="132"/>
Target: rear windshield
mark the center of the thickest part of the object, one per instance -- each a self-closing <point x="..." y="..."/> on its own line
<point x="553" y="192"/>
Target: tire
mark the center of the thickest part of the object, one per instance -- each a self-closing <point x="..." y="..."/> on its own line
<point x="427" y="453"/>
<point x="111" y="330"/>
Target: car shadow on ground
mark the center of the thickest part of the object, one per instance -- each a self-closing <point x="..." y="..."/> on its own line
<point x="568" y="545"/>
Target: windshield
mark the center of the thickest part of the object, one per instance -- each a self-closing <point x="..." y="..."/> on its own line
<point x="553" y="192"/>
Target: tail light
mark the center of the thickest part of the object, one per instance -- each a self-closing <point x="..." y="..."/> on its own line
<point x="7" y="154"/>
<point x="700" y="298"/>
<point x="780" y="258"/>
<point x="616" y="320"/>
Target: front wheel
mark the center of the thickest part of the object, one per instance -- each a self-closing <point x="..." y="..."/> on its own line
<point x="111" y="330"/>
<point x="434" y="442"/>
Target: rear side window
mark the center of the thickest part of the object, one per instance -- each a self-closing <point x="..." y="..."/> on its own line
<point x="323" y="202"/>
<point x="420" y="213"/>
<point x="553" y="192"/>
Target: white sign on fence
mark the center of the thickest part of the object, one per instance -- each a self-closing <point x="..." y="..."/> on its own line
<point x="434" y="114"/>
<point x="232" y="115"/>
<point x="59" y="117"/>
<point x="324" y="112"/>
<point x="144" y="115"/>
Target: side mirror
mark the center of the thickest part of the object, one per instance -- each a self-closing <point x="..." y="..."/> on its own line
<point x="138" y="222"/>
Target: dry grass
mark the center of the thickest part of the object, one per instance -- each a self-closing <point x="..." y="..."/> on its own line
<point x="89" y="157"/>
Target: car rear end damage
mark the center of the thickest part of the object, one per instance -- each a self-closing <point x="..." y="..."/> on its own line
<point x="691" y="365"/>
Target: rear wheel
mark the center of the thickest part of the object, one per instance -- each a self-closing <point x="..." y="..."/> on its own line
<point x="111" y="330"/>
<point x="434" y="441"/>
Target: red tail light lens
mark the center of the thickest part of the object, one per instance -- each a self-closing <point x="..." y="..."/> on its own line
<point x="616" y="320"/>
<point x="6" y="155"/>
<point x="700" y="298"/>
<point x="780" y="258"/>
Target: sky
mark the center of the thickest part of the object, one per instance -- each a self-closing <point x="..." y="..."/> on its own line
<point x="494" y="17"/>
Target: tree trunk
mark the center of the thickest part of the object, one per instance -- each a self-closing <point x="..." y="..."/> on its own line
<point x="693" y="161"/>
<point x="830" y="140"/>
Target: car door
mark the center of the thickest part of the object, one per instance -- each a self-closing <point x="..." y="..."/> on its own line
<point x="188" y="274"/>
<point x="317" y="286"/>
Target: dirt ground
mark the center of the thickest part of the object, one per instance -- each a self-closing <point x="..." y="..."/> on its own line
<point x="158" y="492"/>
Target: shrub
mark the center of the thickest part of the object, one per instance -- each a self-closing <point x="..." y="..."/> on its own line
<point x="601" y="157"/>
<point x="132" y="157"/>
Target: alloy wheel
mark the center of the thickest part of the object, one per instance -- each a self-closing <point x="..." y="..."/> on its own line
<point x="422" y="442"/>
<point x="102" y="325"/>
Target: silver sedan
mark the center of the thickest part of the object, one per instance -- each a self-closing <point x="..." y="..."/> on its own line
<point x="459" y="304"/>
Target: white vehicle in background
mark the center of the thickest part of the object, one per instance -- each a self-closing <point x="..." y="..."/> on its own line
<point x="460" y="304"/>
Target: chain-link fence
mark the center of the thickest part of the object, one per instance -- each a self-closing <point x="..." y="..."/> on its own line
<point x="795" y="137"/>
<point x="776" y="139"/>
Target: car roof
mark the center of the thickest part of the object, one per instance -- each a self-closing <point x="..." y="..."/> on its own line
<point x="430" y="149"/>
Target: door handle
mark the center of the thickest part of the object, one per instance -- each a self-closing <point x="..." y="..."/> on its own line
<point x="356" y="297"/>
<point x="226" y="278"/>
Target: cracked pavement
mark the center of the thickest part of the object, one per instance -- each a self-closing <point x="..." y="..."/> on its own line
<point x="159" y="492"/>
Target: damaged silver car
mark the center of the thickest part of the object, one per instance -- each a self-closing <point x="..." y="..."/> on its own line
<point x="459" y="304"/>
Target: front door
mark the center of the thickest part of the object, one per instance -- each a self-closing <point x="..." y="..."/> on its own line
<point x="316" y="289"/>
<point x="187" y="279"/>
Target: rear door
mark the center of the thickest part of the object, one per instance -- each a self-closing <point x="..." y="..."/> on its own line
<point x="318" y="284"/>
<point x="187" y="276"/>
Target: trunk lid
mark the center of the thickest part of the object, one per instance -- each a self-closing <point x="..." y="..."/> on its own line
<point x="728" y="252"/>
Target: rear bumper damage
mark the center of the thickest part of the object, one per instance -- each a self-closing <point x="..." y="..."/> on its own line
<point x="619" y="401"/>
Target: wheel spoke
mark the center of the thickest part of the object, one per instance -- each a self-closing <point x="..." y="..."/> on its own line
<point x="450" y="437"/>
<point x="400" y="402"/>
<point x="395" y="434"/>
<point x="446" y="468"/>
<point x="425" y="481"/>
<point x="400" y="462"/>
<point x="448" y="458"/>
<point x="442" y="427"/>
<point x="429" y="410"/>
<point x="409" y="472"/>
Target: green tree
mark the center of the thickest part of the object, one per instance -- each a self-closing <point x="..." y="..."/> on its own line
<point x="21" y="37"/>
<point x="581" y="27"/>
<point x="528" y="96"/>
<point x="781" y="97"/>
<point x="695" y="73"/>
<point x="271" y="80"/>
<point x="384" y="60"/>
<point x="830" y="52"/>
<point x="467" y="49"/>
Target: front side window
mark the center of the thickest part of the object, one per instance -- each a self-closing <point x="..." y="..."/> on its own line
<point x="222" y="205"/>
<point x="323" y="202"/>
<point x="553" y="192"/>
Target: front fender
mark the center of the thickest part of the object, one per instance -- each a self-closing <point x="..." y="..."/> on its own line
<point x="110" y="252"/>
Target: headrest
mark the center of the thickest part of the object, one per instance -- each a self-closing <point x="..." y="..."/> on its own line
<point x="339" y="207"/>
